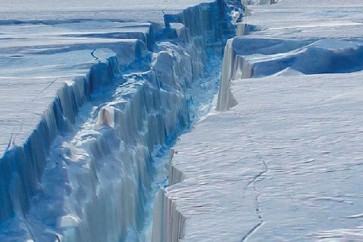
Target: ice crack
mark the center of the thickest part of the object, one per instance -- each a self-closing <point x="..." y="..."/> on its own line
<point x="253" y="182"/>
<point x="93" y="54"/>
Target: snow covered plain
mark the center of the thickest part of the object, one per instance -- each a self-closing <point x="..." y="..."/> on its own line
<point x="90" y="99"/>
<point x="283" y="160"/>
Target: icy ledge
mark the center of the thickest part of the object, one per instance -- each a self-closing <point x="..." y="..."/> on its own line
<point x="239" y="171"/>
<point x="86" y="171"/>
<point x="251" y="57"/>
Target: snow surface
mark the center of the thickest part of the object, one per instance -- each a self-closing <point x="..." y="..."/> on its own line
<point x="95" y="5"/>
<point x="90" y="103"/>
<point x="283" y="161"/>
<point x="307" y="19"/>
<point x="283" y="165"/>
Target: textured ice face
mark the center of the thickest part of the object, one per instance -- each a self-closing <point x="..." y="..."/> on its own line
<point x="84" y="150"/>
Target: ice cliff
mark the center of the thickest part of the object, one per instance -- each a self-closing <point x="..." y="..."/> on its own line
<point x="85" y="171"/>
<point x="281" y="56"/>
<point x="275" y="161"/>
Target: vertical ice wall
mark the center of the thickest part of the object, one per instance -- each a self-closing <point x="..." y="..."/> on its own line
<point x="225" y="97"/>
<point x="21" y="167"/>
<point x="93" y="185"/>
<point x="276" y="56"/>
<point x="168" y="223"/>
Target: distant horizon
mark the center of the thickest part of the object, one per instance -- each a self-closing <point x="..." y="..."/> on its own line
<point x="56" y="5"/>
<point x="33" y="5"/>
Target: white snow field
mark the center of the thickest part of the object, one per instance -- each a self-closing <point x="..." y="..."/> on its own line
<point x="281" y="159"/>
<point x="92" y="96"/>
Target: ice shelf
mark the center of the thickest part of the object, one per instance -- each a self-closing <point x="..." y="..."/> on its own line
<point x="87" y="102"/>
<point x="283" y="160"/>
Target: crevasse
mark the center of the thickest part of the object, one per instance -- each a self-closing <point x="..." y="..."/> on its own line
<point x="81" y="177"/>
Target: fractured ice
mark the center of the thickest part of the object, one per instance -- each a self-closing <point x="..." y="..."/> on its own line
<point x="77" y="164"/>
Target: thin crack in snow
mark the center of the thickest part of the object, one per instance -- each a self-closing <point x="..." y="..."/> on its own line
<point x="257" y="200"/>
<point x="42" y="91"/>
